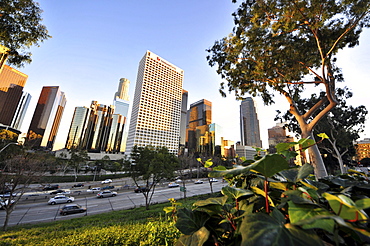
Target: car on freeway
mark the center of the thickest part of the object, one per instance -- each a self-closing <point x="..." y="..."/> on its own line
<point x="78" y="185"/>
<point x="72" y="209"/>
<point x="50" y="187"/>
<point x="107" y="181"/>
<point x="108" y="187"/>
<point x="5" y="202"/>
<point x="106" y="193"/>
<point x="93" y="190"/>
<point x="198" y="181"/>
<point x="7" y="194"/>
<point x="56" y="192"/>
<point x="213" y="180"/>
<point x="173" y="185"/>
<point x="141" y="189"/>
<point x="60" y="199"/>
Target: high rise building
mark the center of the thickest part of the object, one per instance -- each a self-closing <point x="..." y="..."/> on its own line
<point x="12" y="82"/>
<point x="46" y="118"/>
<point x="199" y="117"/>
<point x="96" y="129"/>
<point x="123" y="89"/>
<point x="184" y="118"/>
<point x="156" y="110"/>
<point x="249" y="124"/>
<point x="21" y="110"/>
<point x="362" y="149"/>
<point x="278" y="134"/>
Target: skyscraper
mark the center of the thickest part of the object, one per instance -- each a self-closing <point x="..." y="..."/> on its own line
<point x="249" y="124"/>
<point x="123" y="89"/>
<point x="3" y="56"/>
<point x="96" y="129"/>
<point x="12" y="82"/>
<point x="47" y="116"/>
<point x="184" y="118"/>
<point x="199" y="117"/>
<point x="156" y="110"/>
<point x="21" y="110"/>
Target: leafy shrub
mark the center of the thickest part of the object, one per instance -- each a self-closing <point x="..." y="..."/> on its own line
<point x="269" y="203"/>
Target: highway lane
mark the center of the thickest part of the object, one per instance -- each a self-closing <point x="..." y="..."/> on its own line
<point x="39" y="211"/>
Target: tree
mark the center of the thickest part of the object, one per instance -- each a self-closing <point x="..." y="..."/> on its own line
<point x="78" y="158"/>
<point x="150" y="165"/>
<point x="343" y="124"/>
<point x="20" y="29"/>
<point x="283" y="46"/>
<point x="17" y="174"/>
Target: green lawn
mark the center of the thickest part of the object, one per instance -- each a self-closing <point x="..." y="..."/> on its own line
<point x="126" y="227"/>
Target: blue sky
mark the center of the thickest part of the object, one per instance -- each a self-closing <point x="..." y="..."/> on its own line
<point x="95" y="43"/>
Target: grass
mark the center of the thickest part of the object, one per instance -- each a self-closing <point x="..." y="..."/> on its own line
<point x="136" y="226"/>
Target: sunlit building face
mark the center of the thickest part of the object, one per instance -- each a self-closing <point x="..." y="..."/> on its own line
<point x="156" y="111"/>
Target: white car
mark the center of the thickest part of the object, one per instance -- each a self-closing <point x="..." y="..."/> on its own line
<point x="107" y="181"/>
<point x="198" y="181"/>
<point x="5" y="202"/>
<point x="213" y="180"/>
<point x="106" y="193"/>
<point x="173" y="185"/>
<point x="93" y="190"/>
<point x="60" y="199"/>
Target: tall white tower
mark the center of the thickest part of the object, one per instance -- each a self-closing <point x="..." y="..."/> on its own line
<point x="156" y="110"/>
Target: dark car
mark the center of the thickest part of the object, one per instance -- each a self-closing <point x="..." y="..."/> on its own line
<point x="72" y="209"/>
<point x="141" y="189"/>
<point x="56" y="192"/>
<point x="108" y="187"/>
<point x="51" y="187"/>
<point x="78" y="185"/>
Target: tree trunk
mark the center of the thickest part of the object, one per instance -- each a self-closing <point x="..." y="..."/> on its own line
<point x="6" y="221"/>
<point x="316" y="159"/>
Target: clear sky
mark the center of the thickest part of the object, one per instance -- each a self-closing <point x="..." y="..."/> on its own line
<point x="95" y="43"/>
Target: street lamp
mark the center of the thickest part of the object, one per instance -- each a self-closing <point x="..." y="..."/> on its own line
<point x="6" y="146"/>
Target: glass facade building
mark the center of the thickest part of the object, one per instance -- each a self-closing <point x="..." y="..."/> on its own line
<point x="12" y="82"/>
<point x="96" y="129"/>
<point x="199" y="114"/>
<point x="156" y="110"/>
<point x="47" y="116"/>
<point x="249" y="124"/>
<point x="21" y="110"/>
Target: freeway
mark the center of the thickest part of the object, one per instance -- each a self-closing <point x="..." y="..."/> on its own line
<point x="33" y="208"/>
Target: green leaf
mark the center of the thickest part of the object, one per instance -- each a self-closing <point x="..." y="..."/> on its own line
<point x="189" y="221"/>
<point x="284" y="146"/>
<point x="235" y="193"/>
<point x="278" y="216"/>
<point x="306" y="142"/>
<point x="323" y="136"/>
<point x="315" y="185"/>
<point x="363" y="203"/>
<point x="211" y="201"/>
<point x="270" y="165"/>
<point x="219" y="168"/>
<point x="261" y="229"/>
<point x="208" y="163"/>
<point x="197" y="238"/>
<point x="304" y="171"/>
<point x="344" y="207"/>
<point x="299" y="212"/>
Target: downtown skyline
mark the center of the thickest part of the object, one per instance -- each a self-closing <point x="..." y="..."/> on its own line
<point x="97" y="43"/>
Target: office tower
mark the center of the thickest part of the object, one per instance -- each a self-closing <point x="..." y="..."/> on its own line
<point x="77" y="129"/>
<point x="249" y="124"/>
<point x="278" y="134"/>
<point x="184" y="118"/>
<point x="199" y="117"/>
<point x="156" y="110"/>
<point x="362" y="149"/>
<point x="11" y="88"/>
<point x="46" y="118"/>
<point x="123" y="89"/>
<point x="21" y="110"/>
<point x="96" y="129"/>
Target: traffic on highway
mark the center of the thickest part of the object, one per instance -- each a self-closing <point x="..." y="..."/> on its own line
<point x="87" y="199"/>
